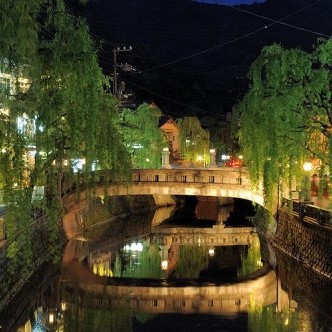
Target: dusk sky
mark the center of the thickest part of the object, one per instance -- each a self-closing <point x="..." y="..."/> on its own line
<point x="230" y="2"/>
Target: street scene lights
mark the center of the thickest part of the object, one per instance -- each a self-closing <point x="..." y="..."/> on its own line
<point x="213" y="158"/>
<point x="307" y="167"/>
<point x="165" y="158"/>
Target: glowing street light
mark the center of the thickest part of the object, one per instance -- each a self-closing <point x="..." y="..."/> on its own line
<point x="307" y="167"/>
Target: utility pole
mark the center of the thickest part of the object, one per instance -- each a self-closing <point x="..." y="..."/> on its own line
<point x="115" y="65"/>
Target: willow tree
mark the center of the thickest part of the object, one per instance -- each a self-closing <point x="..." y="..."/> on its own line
<point x="285" y="118"/>
<point x="67" y="115"/>
<point x="191" y="262"/>
<point x="142" y="135"/>
<point x="195" y="140"/>
<point x="19" y="32"/>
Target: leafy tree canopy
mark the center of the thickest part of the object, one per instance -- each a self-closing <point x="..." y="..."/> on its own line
<point x="142" y="135"/>
<point x="56" y="89"/>
<point x="195" y="140"/>
<point x="285" y="118"/>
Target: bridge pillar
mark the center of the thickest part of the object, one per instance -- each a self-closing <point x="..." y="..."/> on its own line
<point x="223" y="214"/>
<point x="165" y="158"/>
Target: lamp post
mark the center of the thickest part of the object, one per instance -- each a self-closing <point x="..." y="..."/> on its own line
<point x="307" y="167"/>
<point x="200" y="160"/>
<point x="213" y="158"/>
<point x="165" y="158"/>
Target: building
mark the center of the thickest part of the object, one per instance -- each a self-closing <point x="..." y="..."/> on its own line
<point x="172" y="132"/>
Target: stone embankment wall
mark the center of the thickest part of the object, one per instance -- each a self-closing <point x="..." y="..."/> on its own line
<point x="81" y="215"/>
<point x="305" y="241"/>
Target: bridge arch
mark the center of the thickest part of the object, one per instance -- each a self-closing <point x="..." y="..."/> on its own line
<point x="164" y="296"/>
<point x="223" y="182"/>
<point x="216" y="182"/>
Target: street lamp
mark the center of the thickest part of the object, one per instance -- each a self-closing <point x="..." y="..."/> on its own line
<point x="211" y="251"/>
<point x="200" y="159"/>
<point x="307" y="167"/>
<point x="165" y="158"/>
<point x="213" y="157"/>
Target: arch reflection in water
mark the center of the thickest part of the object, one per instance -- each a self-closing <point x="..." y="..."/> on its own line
<point x="85" y="301"/>
<point x="185" y="284"/>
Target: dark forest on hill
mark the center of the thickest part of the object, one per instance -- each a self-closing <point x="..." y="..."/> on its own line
<point x="192" y="58"/>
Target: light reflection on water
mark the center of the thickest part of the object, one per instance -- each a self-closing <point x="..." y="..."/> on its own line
<point x="111" y="285"/>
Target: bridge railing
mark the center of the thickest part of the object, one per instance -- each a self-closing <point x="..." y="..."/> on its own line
<point x="195" y="175"/>
<point x="225" y="175"/>
<point x="309" y="212"/>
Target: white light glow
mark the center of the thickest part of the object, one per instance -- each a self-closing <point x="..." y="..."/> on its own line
<point x="78" y="164"/>
<point x="164" y="265"/>
<point x="211" y="252"/>
<point x="135" y="246"/>
<point x="51" y="318"/>
<point x="307" y="166"/>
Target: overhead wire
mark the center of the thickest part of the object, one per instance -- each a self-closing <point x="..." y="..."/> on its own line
<point x="175" y="101"/>
<point x="241" y="37"/>
<point x="112" y="43"/>
<point x="205" y="51"/>
<point x="284" y="18"/>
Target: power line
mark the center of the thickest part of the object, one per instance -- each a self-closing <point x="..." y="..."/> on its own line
<point x="244" y="36"/>
<point x="175" y="102"/>
<point x="205" y="51"/>
<point x="284" y="18"/>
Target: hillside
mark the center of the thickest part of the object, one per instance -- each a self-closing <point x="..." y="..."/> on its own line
<point x="216" y="43"/>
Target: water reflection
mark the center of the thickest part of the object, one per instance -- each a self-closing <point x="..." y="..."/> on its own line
<point x="138" y="277"/>
<point x="269" y="318"/>
<point x="213" y="253"/>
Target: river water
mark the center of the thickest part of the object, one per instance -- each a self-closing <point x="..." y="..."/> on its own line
<point x="197" y="267"/>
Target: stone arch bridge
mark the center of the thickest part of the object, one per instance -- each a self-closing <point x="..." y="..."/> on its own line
<point x="219" y="182"/>
<point x="162" y="183"/>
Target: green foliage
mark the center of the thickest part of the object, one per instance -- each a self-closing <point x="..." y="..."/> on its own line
<point x="67" y="115"/>
<point x="18" y="28"/>
<point x="142" y="136"/>
<point x="18" y="228"/>
<point x="251" y="260"/>
<point x="149" y="264"/>
<point x="117" y="269"/>
<point x="285" y="117"/>
<point x="220" y="135"/>
<point x="83" y="316"/>
<point x="261" y="319"/>
<point x="192" y="260"/>
<point x="195" y="141"/>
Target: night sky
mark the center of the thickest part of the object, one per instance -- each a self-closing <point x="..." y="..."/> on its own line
<point x="230" y="2"/>
<point x="196" y="63"/>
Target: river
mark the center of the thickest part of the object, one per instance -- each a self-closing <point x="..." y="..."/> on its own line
<point x="196" y="267"/>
